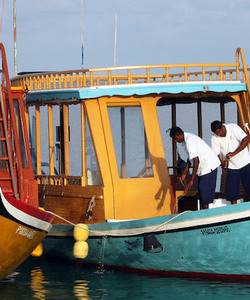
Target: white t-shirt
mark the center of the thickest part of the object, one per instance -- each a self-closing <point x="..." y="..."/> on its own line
<point x="195" y="146"/>
<point x="230" y="143"/>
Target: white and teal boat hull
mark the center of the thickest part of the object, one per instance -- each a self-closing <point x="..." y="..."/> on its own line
<point x="212" y="242"/>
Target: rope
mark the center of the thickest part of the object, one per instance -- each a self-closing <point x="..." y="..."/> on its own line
<point x="65" y="220"/>
<point x="149" y="230"/>
<point x="142" y="232"/>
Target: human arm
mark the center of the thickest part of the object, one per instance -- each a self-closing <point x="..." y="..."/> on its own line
<point x="195" y="168"/>
<point x="242" y="146"/>
<point x="184" y="173"/>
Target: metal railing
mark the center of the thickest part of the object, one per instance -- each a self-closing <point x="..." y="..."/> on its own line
<point x="130" y="75"/>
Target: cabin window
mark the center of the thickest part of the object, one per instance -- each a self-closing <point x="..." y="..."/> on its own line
<point x="130" y="142"/>
<point x="75" y="140"/>
<point x="43" y="136"/>
<point x="19" y="124"/>
<point x="93" y="172"/>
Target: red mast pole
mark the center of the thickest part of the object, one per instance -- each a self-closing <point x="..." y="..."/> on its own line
<point x="15" y="44"/>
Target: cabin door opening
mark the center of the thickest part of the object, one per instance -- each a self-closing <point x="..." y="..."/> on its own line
<point x="138" y="168"/>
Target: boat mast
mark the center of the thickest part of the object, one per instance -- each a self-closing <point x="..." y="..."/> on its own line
<point x="115" y="39"/>
<point x="82" y="32"/>
<point x="15" y="44"/>
<point x="2" y="18"/>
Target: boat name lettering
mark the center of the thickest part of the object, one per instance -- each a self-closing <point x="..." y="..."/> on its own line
<point x="26" y="232"/>
<point x="216" y="230"/>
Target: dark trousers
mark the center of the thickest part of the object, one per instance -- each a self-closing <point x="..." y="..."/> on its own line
<point x="206" y="186"/>
<point x="233" y="182"/>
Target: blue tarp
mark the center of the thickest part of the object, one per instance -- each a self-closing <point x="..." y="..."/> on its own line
<point x="137" y="89"/>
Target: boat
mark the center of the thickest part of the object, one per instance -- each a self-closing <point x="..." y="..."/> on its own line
<point x="23" y="225"/>
<point x="117" y="197"/>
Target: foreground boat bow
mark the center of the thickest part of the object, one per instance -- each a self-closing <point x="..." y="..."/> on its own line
<point x="22" y="224"/>
<point x="23" y="227"/>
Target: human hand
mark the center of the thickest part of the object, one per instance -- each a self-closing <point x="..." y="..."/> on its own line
<point x="182" y="178"/>
<point x="229" y="155"/>
<point x="189" y="185"/>
<point x="224" y="163"/>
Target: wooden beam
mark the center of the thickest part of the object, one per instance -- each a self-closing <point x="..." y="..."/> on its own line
<point x="27" y="119"/>
<point x="84" y="148"/>
<point x="51" y="142"/>
<point x="123" y="144"/>
<point x="38" y="141"/>
<point x="174" y="150"/>
<point x="66" y="138"/>
<point x="147" y="155"/>
<point x="199" y="117"/>
<point x="222" y="112"/>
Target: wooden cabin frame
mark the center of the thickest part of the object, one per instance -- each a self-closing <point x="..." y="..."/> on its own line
<point x="70" y="196"/>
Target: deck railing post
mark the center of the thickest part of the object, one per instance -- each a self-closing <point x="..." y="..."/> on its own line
<point x="148" y="75"/>
<point x="129" y="77"/>
<point x="203" y="73"/>
<point x="91" y="78"/>
<point x="167" y="74"/>
<point x="110" y="77"/>
<point x="185" y="74"/>
<point x="221" y="73"/>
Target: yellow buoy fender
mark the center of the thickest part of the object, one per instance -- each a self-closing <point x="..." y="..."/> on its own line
<point x="81" y="249"/>
<point x="81" y="232"/>
<point x="38" y="251"/>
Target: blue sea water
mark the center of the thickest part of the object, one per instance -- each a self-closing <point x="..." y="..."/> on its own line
<point x="49" y="279"/>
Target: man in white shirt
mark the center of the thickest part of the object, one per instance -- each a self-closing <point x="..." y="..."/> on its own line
<point x="231" y="141"/>
<point x="205" y="164"/>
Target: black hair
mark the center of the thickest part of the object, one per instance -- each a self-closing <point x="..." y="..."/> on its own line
<point x="216" y="125"/>
<point x="174" y="131"/>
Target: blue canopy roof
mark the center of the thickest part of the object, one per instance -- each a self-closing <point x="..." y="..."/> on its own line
<point x="137" y="89"/>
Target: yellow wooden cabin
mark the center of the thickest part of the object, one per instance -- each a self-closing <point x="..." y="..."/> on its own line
<point x="113" y="111"/>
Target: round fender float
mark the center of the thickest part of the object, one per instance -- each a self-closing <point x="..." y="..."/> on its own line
<point x="38" y="251"/>
<point x="81" y="232"/>
<point x="81" y="249"/>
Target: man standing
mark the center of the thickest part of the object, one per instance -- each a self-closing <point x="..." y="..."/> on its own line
<point x="205" y="164"/>
<point x="231" y="141"/>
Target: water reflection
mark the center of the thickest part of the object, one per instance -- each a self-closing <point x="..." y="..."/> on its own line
<point x="37" y="283"/>
<point x="81" y="289"/>
<point x="50" y="279"/>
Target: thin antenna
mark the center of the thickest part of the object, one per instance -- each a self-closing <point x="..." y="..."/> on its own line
<point x="82" y="32"/>
<point x="115" y="43"/>
<point x="15" y="45"/>
<point x="2" y="18"/>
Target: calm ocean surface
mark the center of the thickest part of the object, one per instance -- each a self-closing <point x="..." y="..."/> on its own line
<point x="48" y="279"/>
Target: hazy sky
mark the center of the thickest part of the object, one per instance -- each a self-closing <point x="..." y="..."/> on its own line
<point x="149" y="32"/>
